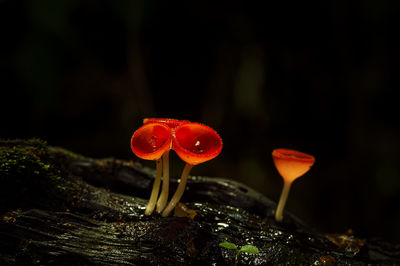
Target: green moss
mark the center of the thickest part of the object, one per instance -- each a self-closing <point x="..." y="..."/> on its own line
<point x="30" y="176"/>
<point x="24" y="163"/>
<point x="72" y="154"/>
<point x="61" y="187"/>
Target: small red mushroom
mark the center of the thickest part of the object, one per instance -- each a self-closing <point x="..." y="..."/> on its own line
<point x="172" y="124"/>
<point x="194" y="143"/>
<point x="150" y="142"/>
<point x="290" y="165"/>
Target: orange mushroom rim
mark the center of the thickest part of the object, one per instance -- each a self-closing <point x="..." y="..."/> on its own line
<point x="171" y="123"/>
<point x="292" y="155"/>
<point x="193" y="142"/>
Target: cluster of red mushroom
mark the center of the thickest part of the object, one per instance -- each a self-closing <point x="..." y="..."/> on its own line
<point x="194" y="143"/>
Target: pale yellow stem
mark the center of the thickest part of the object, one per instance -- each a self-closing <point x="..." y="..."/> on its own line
<point x="282" y="201"/>
<point x="156" y="188"/>
<point x="162" y="200"/>
<point x="179" y="191"/>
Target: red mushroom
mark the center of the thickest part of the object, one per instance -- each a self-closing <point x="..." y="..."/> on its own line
<point x="172" y="124"/>
<point x="290" y="165"/>
<point x="150" y="142"/>
<point x="194" y="143"/>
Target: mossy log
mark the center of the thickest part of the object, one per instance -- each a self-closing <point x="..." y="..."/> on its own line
<point x="60" y="208"/>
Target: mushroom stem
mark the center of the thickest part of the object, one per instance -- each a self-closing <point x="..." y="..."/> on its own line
<point x="179" y="191"/>
<point x="162" y="200"/>
<point x="282" y="200"/>
<point x="156" y="188"/>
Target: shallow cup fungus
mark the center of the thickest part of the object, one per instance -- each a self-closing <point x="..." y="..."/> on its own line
<point x="150" y="142"/>
<point x="290" y="165"/>
<point x="194" y="143"/>
<point x="172" y="124"/>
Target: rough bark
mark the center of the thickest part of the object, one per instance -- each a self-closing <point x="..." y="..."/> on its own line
<point x="60" y="208"/>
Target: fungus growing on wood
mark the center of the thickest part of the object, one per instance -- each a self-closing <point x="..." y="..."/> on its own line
<point x="290" y="165"/>
<point x="150" y="142"/>
<point x="194" y="143"/>
<point x="172" y="124"/>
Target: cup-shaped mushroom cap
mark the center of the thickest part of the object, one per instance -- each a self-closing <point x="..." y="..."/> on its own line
<point x="172" y="123"/>
<point x="151" y="141"/>
<point x="291" y="164"/>
<point x="196" y="143"/>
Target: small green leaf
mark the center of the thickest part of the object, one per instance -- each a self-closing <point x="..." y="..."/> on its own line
<point x="228" y="245"/>
<point x="249" y="249"/>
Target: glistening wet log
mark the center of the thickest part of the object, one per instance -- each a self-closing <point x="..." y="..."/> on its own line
<point x="60" y="208"/>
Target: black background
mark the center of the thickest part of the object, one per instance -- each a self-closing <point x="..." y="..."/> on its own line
<point x="316" y="77"/>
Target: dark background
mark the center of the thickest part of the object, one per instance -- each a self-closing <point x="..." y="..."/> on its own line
<point x="317" y="77"/>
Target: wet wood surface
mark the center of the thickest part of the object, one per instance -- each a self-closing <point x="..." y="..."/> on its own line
<point x="60" y="208"/>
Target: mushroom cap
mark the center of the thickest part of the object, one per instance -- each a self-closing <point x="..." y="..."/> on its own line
<point x="196" y="143"/>
<point x="150" y="141"/>
<point x="172" y="123"/>
<point x="292" y="164"/>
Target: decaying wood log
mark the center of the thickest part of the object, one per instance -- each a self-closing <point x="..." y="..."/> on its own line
<point x="60" y="208"/>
